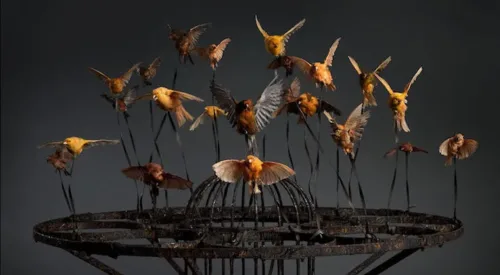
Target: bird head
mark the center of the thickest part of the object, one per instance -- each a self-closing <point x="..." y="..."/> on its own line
<point x="156" y="171"/>
<point x="248" y="104"/>
<point x="459" y="137"/>
<point x="68" y="141"/>
<point x="156" y="93"/>
<point x="212" y="47"/>
<point x="406" y="147"/>
<point x="251" y="159"/>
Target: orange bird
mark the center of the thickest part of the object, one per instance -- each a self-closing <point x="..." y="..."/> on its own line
<point x="308" y="104"/>
<point x="247" y="117"/>
<point x="398" y="101"/>
<point x="282" y="61"/>
<point x="171" y="101"/>
<point x="153" y="174"/>
<point x="147" y="73"/>
<point x="275" y="44"/>
<point x="116" y="85"/>
<point x="213" y="52"/>
<point x="367" y="81"/>
<point x="347" y="134"/>
<point x="253" y="171"/>
<point x="457" y="147"/>
<point x="319" y="71"/>
<point x="405" y="147"/>
<point x="122" y="104"/>
<point x="185" y="42"/>
<point x="59" y="160"/>
<point x="211" y="112"/>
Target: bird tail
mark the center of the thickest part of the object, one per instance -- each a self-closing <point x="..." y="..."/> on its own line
<point x="401" y="123"/>
<point x="331" y="86"/>
<point x="252" y="145"/>
<point x="449" y="160"/>
<point x="182" y="115"/>
<point x="370" y="100"/>
<point x="253" y="187"/>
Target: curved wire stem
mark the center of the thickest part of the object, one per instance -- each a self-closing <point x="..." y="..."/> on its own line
<point x="64" y="192"/>
<point x="337" y="170"/>
<point x="393" y="183"/>
<point x="287" y="134"/>
<point x="311" y="166"/>
<point x="455" y="188"/>
<point x="408" y="205"/>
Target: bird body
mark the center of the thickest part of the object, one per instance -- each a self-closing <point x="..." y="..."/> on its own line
<point x="282" y="61"/>
<point x="397" y="101"/>
<point x="122" y="104"/>
<point x="147" y="73"/>
<point x="211" y="112"/>
<point x="405" y="147"/>
<point x="213" y="52"/>
<point x="59" y="159"/>
<point x="76" y="145"/>
<point x="368" y="81"/>
<point x="153" y="174"/>
<point x="117" y="84"/>
<point x="253" y="171"/>
<point x="275" y="44"/>
<point x="457" y="147"/>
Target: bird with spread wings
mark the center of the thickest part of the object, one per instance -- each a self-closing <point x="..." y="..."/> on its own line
<point x="213" y="53"/>
<point x="368" y="81"/>
<point x="185" y="41"/>
<point x="116" y="85"/>
<point x="275" y="44"/>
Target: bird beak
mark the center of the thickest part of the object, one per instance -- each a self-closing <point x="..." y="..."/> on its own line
<point x="65" y="143"/>
<point x="406" y="101"/>
<point x="155" y="97"/>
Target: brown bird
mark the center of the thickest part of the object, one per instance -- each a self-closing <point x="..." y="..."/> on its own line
<point x="319" y="71"/>
<point x="213" y="52"/>
<point x="153" y="174"/>
<point x="247" y="117"/>
<point x="211" y="112"/>
<point x="457" y="147"/>
<point x="185" y="42"/>
<point x="122" y="104"/>
<point x="147" y="73"/>
<point x="59" y="160"/>
<point x="308" y="104"/>
<point x="397" y="101"/>
<point x="368" y="81"/>
<point x="283" y="61"/>
<point x="171" y="101"/>
<point x="347" y="134"/>
<point x="404" y="147"/>
<point x="117" y="84"/>
<point x="253" y="171"/>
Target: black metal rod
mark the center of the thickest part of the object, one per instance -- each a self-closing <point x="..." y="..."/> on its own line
<point x="366" y="263"/>
<point x="455" y="188"/>
<point x="392" y="261"/>
<point x="94" y="262"/>
<point x="407" y="183"/>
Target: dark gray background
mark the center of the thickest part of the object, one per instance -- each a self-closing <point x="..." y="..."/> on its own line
<point x="48" y="94"/>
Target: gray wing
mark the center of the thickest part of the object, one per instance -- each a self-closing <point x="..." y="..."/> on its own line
<point x="130" y="96"/>
<point x="268" y="102"/>
<point x="224" y="99"/>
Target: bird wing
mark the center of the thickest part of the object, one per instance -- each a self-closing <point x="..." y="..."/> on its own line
<point x="330" y="108"/>
<point x="268" y="102"/>
<point x="386" y="85"/>
<point x="418" y="149"/>
<point x="225" y="100"/>
<point x="303" y="65"/>
<point x="331" y="119"/>
<point x="99" y="74"/>
<point x="291" y="31"/>
<point x="230" y="170"/>
<point x="469" y="147"/>
<point x="155" y="64"/>
<point x="407" y="87"/>
<point x="295" y="88"/>
<point x="64" y="154"/>
<point x="148" y="96"/>
<point x="443" y="148"/>
<point x="199" y="120"/>
<point x="174" y="182"/>
<point x="219" y="50"/>
<point x="391" y="152"/>
<point x="130" y="95"/>
<point x="185" y="96"/>
<point x="355" y="65"/>
<point x="331" y="52"/>
<point x="195" y="32"/>
<point x="273" y="172"/>
<point x="54" y="144"/>
<point x="126" y="76"/>
<point x="108" y="98"/>
<point x="382" y="65"/>
<point x="262" y="31"/>
<point x="99" y="142"/>
<point x="356" y="122"/>
<point x="135" y="172"/>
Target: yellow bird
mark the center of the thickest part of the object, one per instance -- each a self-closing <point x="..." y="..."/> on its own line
<point x="397" y="101"/>
<point x="367" y="80"/>
<point x="319" y="71"/>
<point x="171" y="101"/>
<point x="457" y="147"/>
<point x="253" y="171"/>
<point x="75" y="145"/>
<point x="275" y="44"/>
<point x="117" y="84"/>
<point x="210" y="111"/>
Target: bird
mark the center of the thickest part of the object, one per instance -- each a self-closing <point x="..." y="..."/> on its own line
<point x="457" y="147"/>
<point x="405" y="147"/>
<point x="171" y="101"/>
<point x="308" y="104"/>
<point x="282" y="61"/>
<point x="153" y="174"/>
<point x="59" y="160"/>
<point x="397" y="101"/>
<point x="254" y="172"/>
<point x="122" y="104"/>
<point x="185" y="41"/>
<point x="347" y="134"/>
<point x="76" y="145"/>
<point x="367" y="80"/>
<point x="319" y="72"/>
<point x="275" y="44"/>
<point x="244" y="115"/>
<point x="213" y="52"/>
<point x="211" y="112"/>
<point x="116" y="85"/>
<point x="147" y="73"/>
